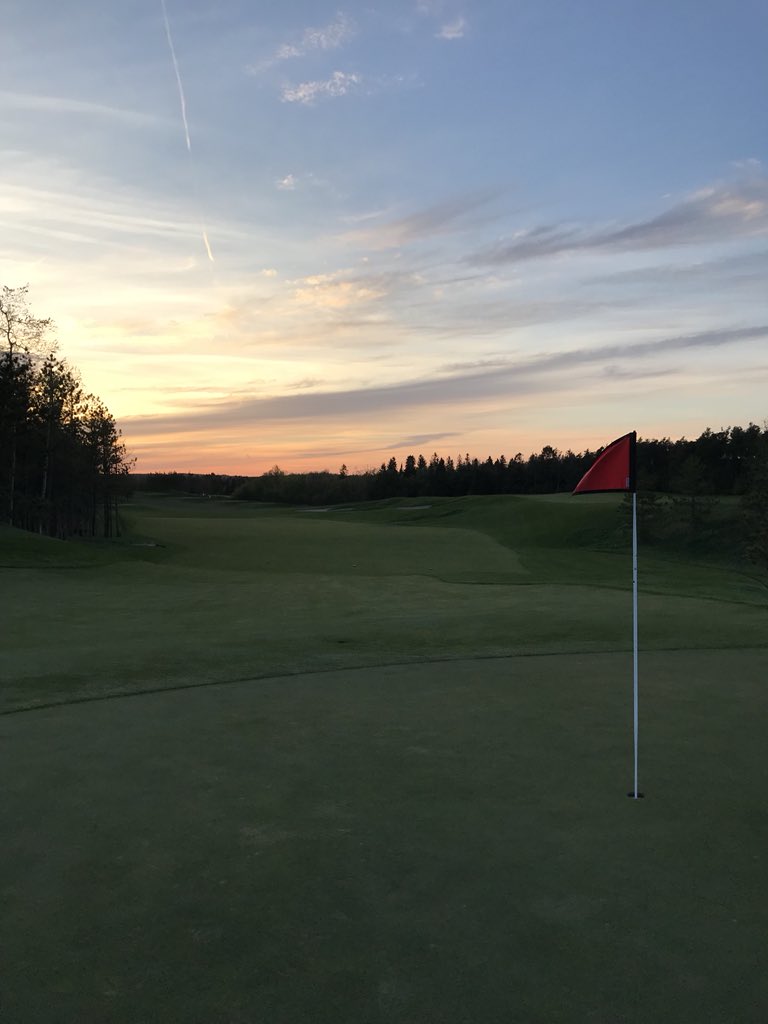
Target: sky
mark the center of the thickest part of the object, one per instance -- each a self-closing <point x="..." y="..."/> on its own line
<point x="307" y="234"/>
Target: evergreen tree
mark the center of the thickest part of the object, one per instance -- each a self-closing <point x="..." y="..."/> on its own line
<point x="754" y="506"/>
<point x="62" y="462"/>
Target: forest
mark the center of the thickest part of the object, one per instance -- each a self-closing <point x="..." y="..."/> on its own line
<point x="63" y="465"/>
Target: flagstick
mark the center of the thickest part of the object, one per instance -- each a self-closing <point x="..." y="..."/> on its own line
<point x="615" y="469"/>
<point x="634" y="628"/>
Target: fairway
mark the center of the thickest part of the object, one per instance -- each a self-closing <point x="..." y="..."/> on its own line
<point x="372" y="764"/>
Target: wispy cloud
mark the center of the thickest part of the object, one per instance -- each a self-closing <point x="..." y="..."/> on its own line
<point x="715" y="214"/>
<point x="452" y="30"/>
<point x="339" y="84"/>
<point x="304" y="384"/>
<point x="286" y="184"/>
<point x="418" y="439"/>
<point x="329" y="292"/>
<point x="327" y="37"/>
<point x="551" y="371"/>
<point x="83" y="108"/>
<point x="381" y="307"/>
<point x="96" y="216"/>
<point x="483" y="317"/>
<point x="644" y="349"/>
<point x="709" y="214"/>
<point x="49" y="207"/>
<point x="744" y="269"/>
<point x="436" y="219"/>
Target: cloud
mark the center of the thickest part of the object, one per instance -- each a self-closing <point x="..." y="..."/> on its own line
<point x="304" y="384"/>
<point x="744" y="269"/>
<point x="715" y="214"/>
<point x="437" y="219"/>
<point x="324" y="292"/>
<point x="328" y="37"/>
<point x="707" y="215"/>
<point x="452" y="30"/>
<point x="96" y="217"/>
<point x="390" y="306"/>
<point x="286" y="184"/>
<point x="484" y="317"/>
<point x="419" y="439"/>
<point x="84" y="108"/>
<point x="643" y="349"/>
<point x="339" y="84"/>
<point x="632" y="373"/>
<point x="750" y="165"/>
<point x="550" y="371"/>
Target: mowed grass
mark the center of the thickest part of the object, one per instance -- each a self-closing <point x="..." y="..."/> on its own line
<point x="236" y="592"/>
<point x="412" y="807"/>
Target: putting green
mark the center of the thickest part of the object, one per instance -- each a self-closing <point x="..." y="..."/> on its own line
<point x="445" y="842"/>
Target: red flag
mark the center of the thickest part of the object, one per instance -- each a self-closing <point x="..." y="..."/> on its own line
<point x="613" y="469"/>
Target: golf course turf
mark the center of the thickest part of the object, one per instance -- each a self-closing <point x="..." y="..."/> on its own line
<point x="371" y="764"/>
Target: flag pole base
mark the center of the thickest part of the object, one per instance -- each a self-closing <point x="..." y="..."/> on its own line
<point x="636" y="796"/>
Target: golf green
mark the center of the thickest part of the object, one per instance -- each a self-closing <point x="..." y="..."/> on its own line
<point x="446" y="842"/>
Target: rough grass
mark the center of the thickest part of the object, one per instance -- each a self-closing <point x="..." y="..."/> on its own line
<point x="446" y="839"/>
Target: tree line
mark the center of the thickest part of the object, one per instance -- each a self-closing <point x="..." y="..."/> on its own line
<point x="63" y="464"/>
<point x="723" y="462"/>
<point x="203" y="485"/>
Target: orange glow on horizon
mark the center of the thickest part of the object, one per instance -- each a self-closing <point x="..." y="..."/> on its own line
<point x="180" y="453"/>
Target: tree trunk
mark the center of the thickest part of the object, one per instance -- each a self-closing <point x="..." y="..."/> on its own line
<point x="12" y="480"/>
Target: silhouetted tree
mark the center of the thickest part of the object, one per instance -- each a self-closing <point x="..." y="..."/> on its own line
<point x="21" y="336"/>
<point x="60" y="454"/>
<point x="754" y="502"/>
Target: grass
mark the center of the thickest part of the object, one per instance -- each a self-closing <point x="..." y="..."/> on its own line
<point x="411" y="808"/>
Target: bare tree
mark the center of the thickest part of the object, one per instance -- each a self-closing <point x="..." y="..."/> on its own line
<point x="22" y="337"/>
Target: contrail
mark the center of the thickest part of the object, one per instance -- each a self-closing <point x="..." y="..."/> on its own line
<point x="183" y="102"/>
<point x="178" y="74"/>
<point x="207" y="246"/>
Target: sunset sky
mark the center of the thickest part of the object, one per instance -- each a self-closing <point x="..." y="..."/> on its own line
<point x="312" y="234"/>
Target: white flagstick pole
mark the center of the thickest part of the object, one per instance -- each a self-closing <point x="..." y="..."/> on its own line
<point x="634" y="622"/>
